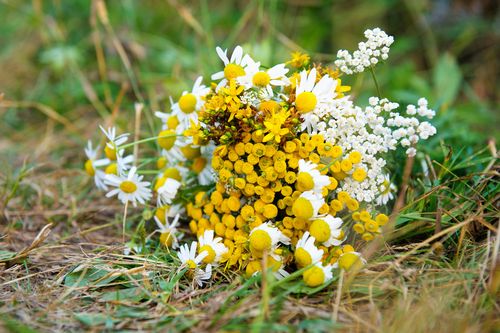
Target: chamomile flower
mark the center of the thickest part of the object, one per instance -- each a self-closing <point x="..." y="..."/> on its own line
<point x="387" y="189"/>
<point x="310" y="95"/>
<point x="234" y="67"/>
<point x="213" y="246"/>
<point x="202" y="276"/>
<point x="113" y="141"/>
<point x="266" y="237"/>
<point x="274" y="76"/>
<point x="306" y="252"/>
<point x="327" y="230"/>
<point x="123" y="163"/>
<point x="307" y="205"/>
<point x="349" y="259"/>
<point x="187" y="256"/>
<point x="309" y="178"/>
<point x="93" y="163"/>
<point x="129" y="188"/>
<point x="168" y="232"/>
<point x="317" y="275"/>
<point x="186" y="109"/>
<point x="167" y="192"/>
<point x="202" y="165"/>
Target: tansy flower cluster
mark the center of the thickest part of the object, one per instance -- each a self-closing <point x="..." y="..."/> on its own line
<point x="270" y="165"/>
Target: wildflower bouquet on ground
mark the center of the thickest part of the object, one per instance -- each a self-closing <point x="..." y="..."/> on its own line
<point x="269" y="166"/>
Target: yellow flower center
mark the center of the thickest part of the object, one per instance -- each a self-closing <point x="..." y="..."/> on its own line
<point x="191" y="264"/>
<point x="232" y="71"/>
<point x="110" y="153"/>
<point x="187" y="103"/>
<point x="166" y="139"/>
<point x="128" y="187"/>
<point x="211" y="254"/>
<point x="89" y="168"/>
<point x="261" y="79"/>
<point x="305" y="182"/>
<point x="306" y="102"/>
<point x="190" y="152"/>
<point x="314" y="276"/>
<point x="199" y="164"/>
<point x="252" y="267"/>
<point x="260" y="240"/>
<point x="172" y="122"/>
<point x="320" y="230"/>
<point x="166" y="239"/>
<point x="303" y="208"/>
<point x="347" y="260"/>
<point x="302" y="257"/>
<point x="111" y="169"/>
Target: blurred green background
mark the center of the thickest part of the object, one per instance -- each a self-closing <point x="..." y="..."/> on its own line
<point x="85" y="58"/>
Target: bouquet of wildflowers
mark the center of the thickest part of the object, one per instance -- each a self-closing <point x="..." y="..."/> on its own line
<point x="269" y="166"/>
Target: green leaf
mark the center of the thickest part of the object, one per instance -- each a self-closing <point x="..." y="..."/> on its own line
<point x="447" y="79"/>
<point x="91" y="319"/>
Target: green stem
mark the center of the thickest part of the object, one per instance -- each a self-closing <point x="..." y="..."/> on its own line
<point x="376" y="82"/>
<point x="146" y="140"/>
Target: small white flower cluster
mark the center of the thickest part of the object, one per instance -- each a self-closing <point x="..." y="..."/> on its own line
<point x="369" y="53"/>
<point x="372" y="131"/>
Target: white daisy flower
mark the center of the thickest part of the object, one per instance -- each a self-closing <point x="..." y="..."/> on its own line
<point x="274" y="76"/>
<point x="129" y="188"/>
<point x="187" y="256"/>
<point x="234" y="67"/>
<point x="306" y="252"/>
<point x="348" y="259"/>
<point x="307" y="205"/>
<point x="317" y="275"/>
<point x="113" y="141"/>
<point x="202" y="276"/>
<point x="266" y="237"/>
<point x="167" y="192"/>
<point x="309" y="178"/>
<point x="387" y="190"/>
<point x="213" y="246"/>
<point x="123" y="163"/>
<point x="92" y="164"/>
<point x="168" y="232"/>
<point x="186" y="109"/>
<point x="327" y="230"/>
<point x="202" y="165"/>
<point x="309" y="94"/>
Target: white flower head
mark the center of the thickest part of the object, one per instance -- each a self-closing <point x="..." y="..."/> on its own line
<point x="306" y="252"/>
<point x="317" y="275"/>
<point x="327" y="230"/>
<point x="168" y="232"/>
<point x="307" y="205"/>
<point x="167" y="192"/>
<point x="266" y="237"/>
<point x="187" y="256"/>
<point x="234" y="67"/>
<point x="264" y="79"/>
<point x="387" y="189"/>
<point x="311" y="95"/>
<point x="202" y="276"/>
<point x="310" y="178"/>
<point x="92" y="164"/>
<point x="129" y="188"/>
<point x="213" y="246"/>
<point x="186" y="109"/>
